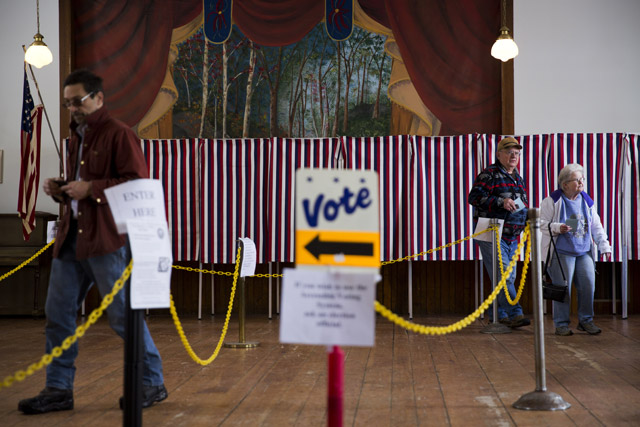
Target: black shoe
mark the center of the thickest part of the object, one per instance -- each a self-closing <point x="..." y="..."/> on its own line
<point x="589" y="328"/>
<point x="150" y="395"/>
<point x="505" y="321"/>
<point x="564" y="331"/>
<point x="49" y="399"/>
<point x="520" y="320"/>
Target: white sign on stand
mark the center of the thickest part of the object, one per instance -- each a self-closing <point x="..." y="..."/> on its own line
<point x="327" y="307"/>
<point x="249" y="257"/>
<point x="152" y="260"/>
<point x="328" y="299"/>
<point x="138" y="209"/>
<point x="483" y="224"/>
<point x="137" y="199"/>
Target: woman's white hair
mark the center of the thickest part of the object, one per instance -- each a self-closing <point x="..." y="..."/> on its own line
<point x="567" y="171"/>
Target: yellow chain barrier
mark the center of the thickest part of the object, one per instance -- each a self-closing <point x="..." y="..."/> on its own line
<point x="429" y="330"/>
<point x="185" y="342"/>
<point x="525" y="268"/>
<point x="70" y="340"/>
<point x="221" y="273"/>
<point x="439" y="248"/>
<point x="441" y="330"/>
<point x="36" y="255"/>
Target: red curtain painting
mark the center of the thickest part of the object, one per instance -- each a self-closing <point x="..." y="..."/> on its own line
<point x="444" y="45"/>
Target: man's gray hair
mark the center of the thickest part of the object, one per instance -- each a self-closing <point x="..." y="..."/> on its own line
<point x="567" y="171"/>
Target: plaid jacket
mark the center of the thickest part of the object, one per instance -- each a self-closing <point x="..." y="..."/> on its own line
<point x="490" y="188"/>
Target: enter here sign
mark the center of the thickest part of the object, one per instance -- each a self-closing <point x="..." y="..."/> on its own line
<point x="337" y="218"/>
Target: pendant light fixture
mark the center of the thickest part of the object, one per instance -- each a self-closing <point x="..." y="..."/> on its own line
<point x="504" y="48"/>
<point x="38" y="53"/>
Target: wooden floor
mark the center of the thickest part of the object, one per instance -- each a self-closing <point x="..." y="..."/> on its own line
<point x="463" y="379"/>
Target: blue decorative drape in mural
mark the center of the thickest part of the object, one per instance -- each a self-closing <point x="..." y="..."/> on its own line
<point x="338" y="18"/>
<point x="217" y="20"/>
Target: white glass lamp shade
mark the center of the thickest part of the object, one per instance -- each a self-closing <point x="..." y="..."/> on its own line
<point x="38" y="53"/>
<point x="504" y="48"/>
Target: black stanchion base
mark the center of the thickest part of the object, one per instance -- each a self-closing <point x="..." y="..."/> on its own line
<point x="541" y="401"/>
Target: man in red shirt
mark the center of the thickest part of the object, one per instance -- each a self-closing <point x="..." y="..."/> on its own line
<point x="103" y="152"/>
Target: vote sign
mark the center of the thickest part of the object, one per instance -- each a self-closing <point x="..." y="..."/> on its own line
<point x="337" y="218"/>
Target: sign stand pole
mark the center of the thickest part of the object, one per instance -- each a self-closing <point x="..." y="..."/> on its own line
<point x="335" y="389"/>
<point x="133" y="350"/>
<point x="241" y="310"/>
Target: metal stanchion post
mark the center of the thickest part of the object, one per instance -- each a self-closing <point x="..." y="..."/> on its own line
<point x="241" y="313"/>
<point x="540" y="399"/>
<point x="133" y="363"/>
<point x="495" y="327"/>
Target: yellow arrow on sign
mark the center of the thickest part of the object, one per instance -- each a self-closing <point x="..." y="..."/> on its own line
<point x="341" y="248"/>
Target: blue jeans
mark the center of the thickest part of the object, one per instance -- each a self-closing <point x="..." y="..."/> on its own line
<point x="580" y="270"/>
<point x="505" y="310"/>
<point x="69" y="283"/>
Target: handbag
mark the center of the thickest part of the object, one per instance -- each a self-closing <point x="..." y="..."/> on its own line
<point x="550" y="290"/>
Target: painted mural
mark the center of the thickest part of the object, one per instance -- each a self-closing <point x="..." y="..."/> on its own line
<point x="314" y="88"/>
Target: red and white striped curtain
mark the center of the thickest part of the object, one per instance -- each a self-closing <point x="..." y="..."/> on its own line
<point x="533" y="166"/>
<point x="219" y="190"/>
<point x="175" y="163"/>
<point x="234" y="189"/>
<point x="388" y="156"/>
<point x="602" y="157"/>
<point x="286" y="156"/>
<point x="442" y="170"/>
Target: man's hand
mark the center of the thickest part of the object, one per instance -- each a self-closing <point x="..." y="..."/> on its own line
<point x="509" y="205"/>
<point x="77" y="190"/>
<point x="51" y="188"/>
<point x="606" y="256"/>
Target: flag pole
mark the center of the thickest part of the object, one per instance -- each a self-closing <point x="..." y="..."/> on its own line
<point x="44" y="108"/>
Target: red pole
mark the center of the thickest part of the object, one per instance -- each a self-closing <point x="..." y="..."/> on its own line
<point x="335" y="390"/>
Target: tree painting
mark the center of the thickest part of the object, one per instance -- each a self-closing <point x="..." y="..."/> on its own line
<point x="314" y="88"/>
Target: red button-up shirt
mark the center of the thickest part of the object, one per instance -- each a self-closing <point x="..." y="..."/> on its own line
<point x="111" y="155"/>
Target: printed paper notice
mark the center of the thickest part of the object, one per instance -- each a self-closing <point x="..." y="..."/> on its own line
<point x="327" y="308"/>
<point x="483" y="224"/>
<point x="249" y="256"/>
<point x="137" y="199"/>
<point x="152" y="260"/>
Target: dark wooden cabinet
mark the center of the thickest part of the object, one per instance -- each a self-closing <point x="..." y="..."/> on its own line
<point x="25" y="291"/>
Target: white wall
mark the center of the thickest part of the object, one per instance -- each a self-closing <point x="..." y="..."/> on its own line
<point x="579" y="66"/>
<point x="17" y="27"/>
<point x="586" y="81"/>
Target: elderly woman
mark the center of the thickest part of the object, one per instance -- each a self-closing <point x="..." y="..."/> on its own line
<point x="578" y="235"/>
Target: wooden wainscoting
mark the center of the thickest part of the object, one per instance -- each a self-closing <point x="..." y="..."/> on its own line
<point x="439" y="288"/>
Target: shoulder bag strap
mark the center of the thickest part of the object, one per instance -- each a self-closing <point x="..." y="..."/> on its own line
<point x="556" y="252"/>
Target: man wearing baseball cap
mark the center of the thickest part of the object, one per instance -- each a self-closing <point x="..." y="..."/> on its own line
<point x="498" y="192"/>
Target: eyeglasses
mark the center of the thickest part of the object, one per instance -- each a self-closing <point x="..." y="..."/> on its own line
<point x="512" y="153"/>
<point x="76" y="102"/>
<point x="583" y="179"/>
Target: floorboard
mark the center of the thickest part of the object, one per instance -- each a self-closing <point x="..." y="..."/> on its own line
<point x="460" y="379"/>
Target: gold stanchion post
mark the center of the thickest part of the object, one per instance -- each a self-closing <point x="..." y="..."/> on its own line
<point x="241" y="310"/>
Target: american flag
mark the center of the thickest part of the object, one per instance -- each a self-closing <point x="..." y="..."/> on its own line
<point x="29" y="160"/>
